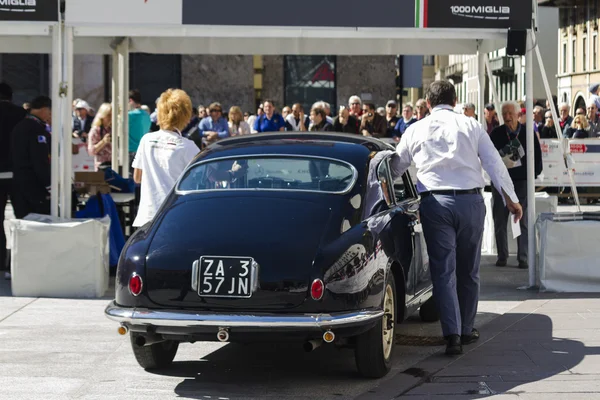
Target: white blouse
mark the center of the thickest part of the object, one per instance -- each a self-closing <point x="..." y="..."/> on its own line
<point x="242" y="129"/>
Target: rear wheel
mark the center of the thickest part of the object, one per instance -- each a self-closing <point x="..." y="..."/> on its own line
<point x="157" y="355"/>
<point x="429" y="312"/>
<point x="373" y="352"/>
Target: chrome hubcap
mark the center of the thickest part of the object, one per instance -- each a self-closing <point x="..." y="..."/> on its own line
<point x="388" y="321"/>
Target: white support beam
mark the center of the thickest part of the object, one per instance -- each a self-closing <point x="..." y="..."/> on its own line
<point x="56" y="80"/>
<point x="123" y="85"/>
<point x="67" y="155"/>
<point x="495" y="98"/>
<point x="481" y="57"/>
<point x="530" y="160"/>
<point x="115" y="110"/>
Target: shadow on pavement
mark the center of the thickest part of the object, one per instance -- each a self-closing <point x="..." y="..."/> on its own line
<point x="516" y="352"/>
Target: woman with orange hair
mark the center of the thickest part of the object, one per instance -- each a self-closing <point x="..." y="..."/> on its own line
<point x="163" y="155"/>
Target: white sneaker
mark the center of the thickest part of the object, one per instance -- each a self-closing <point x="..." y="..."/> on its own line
<point x="7" y="276"/>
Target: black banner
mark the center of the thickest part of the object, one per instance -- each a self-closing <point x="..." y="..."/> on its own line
<point x="316" y="13"/>
<point x="490" y="14"/>
<point x="29" y="10"/>
<point x="481" y="14"/>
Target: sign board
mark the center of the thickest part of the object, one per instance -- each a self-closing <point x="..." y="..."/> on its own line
<point x="586" y="155"/>
<point x="485" y="14"/>
<point x="29" y="10"/>
<point x="458" y="14"/>
<point x="82" y="161"/>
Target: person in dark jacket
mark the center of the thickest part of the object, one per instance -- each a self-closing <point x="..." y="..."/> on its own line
<point x="344" y="122"/>
<point x="10" y="115"/>
<point x="510" y="140"/>
<point x="319" y="120"/>
<point x="31" y="151"/>
<point x="548" y="131"/>
<point x="82" y="121"/>
<point x="372" y="124"/>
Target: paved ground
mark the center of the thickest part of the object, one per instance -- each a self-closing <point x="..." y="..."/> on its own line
<point x="547" y="348"/>
<point x="64" y="349"/>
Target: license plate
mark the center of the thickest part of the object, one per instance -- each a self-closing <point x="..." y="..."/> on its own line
<point x="226" y="276"/>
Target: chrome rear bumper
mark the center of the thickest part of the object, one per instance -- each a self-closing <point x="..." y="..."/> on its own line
<point x="190" y="319"/>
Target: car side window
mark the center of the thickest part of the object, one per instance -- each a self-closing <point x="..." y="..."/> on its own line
<point x="403" y="189"/>
<point x="384" y="177"/>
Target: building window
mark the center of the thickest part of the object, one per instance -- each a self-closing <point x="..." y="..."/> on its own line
<point x="564" y="58"/>
<point x="573" y="55"/>
<point x="595" y="52"/>
<point x="428" y="60"/>
<point x="28" y="74"/>
<point x="309" y="79"/>
<point x="584" y="53"/>
<point x="152" y="73"/>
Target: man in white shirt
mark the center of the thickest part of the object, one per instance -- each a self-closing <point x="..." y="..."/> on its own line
<point x="162" y="156"/>
<point x="449" y="150"/>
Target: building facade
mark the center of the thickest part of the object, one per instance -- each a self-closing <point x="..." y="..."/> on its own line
<point x="234" y="80"/>
<point x="579" y="65"/>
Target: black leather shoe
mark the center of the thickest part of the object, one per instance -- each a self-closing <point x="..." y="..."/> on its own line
<point x="523" y="265"/>
<point x="453" y="345"/>
<point x="501" y="263"/>
<point x="472" y="338"/>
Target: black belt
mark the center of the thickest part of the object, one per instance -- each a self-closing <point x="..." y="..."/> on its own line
<point x="450" y="192"/>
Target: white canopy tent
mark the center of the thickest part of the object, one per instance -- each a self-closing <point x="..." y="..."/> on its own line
<point x="191" y="27"/>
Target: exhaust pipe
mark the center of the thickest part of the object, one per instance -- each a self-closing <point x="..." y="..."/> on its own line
<point x="148" y="340"/>
<point x="312" y="345"/>
<point x="223" y="335"/>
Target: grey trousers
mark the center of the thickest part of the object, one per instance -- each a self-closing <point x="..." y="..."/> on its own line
<point x="453" y="230"/>
<point x="501" y="214"/>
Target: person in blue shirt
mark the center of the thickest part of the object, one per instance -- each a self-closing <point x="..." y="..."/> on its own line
<point x="404" y="122"/>
<point x="214" y="127"/>
<point x="270" y="121"/>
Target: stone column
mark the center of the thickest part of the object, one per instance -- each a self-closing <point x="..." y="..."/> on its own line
<point x="371" y="77"/>
<point x="223" y="78"/>
<point x="273" y="80"/>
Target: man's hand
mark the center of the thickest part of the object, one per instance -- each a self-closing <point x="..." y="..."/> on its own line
<point x="366" y="132"/>
<point x="212" y="137"/>
<point x="515" y="208"/>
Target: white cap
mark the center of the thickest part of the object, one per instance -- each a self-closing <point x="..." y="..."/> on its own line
<point x="82" y="104"/>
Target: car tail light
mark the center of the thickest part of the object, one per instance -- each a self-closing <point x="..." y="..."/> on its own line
<point x="135" y="284"/>
<point x="317" y="289"/>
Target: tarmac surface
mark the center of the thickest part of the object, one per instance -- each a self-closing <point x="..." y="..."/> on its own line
<point x="67" y="349"/>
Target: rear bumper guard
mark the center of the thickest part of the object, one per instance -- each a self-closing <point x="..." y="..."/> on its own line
<point x="190" y="319"/>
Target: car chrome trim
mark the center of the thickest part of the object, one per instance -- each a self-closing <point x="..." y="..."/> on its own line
<point x="195" y="277"/>
<point x="346" y="191"/>
<point x="183" y="319"/>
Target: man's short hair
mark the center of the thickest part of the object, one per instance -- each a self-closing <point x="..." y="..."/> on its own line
<point x="513" y="104"/>
<point x="370" y="105"/>
<point x="469" y="106"/>
<point x="41" y="102"/>
<point x="215" y="106"/>
<point x="267" y="101"/>
<point x="354" y="99"/>
<point x="441" y="92"/>
<point x="561" y="105"/>
<point x="135" y="96"/>
<point x="320" y="111"/>
<point x="6" y="92"/>
<point x="538" y="109"/>
<point x="408" y="105"/>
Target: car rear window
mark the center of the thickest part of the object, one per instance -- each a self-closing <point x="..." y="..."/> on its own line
<point x="270" y="173"/>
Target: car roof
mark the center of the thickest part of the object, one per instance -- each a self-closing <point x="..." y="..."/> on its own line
<point x="347" y="147"/>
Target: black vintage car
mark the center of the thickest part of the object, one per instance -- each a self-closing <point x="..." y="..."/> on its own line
<point x="278" y="236"/>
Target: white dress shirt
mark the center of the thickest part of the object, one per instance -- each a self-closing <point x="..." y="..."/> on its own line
<point x="449" y="150"/>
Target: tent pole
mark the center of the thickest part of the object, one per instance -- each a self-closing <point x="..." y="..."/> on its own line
<point x="115" y="112"/>
<point x="496" y="100"/>
<point x="481" y="56"/>
<point x="67" y="158"/>
<point x="56" y="117"/>
<point x="123" y="87"/>
<point x="531" y="243"/>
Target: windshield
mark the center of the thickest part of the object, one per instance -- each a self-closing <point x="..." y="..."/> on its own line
<point x="271" y="173"/>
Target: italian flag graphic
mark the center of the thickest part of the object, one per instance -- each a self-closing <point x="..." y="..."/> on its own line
<point x="421" y="13"/>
